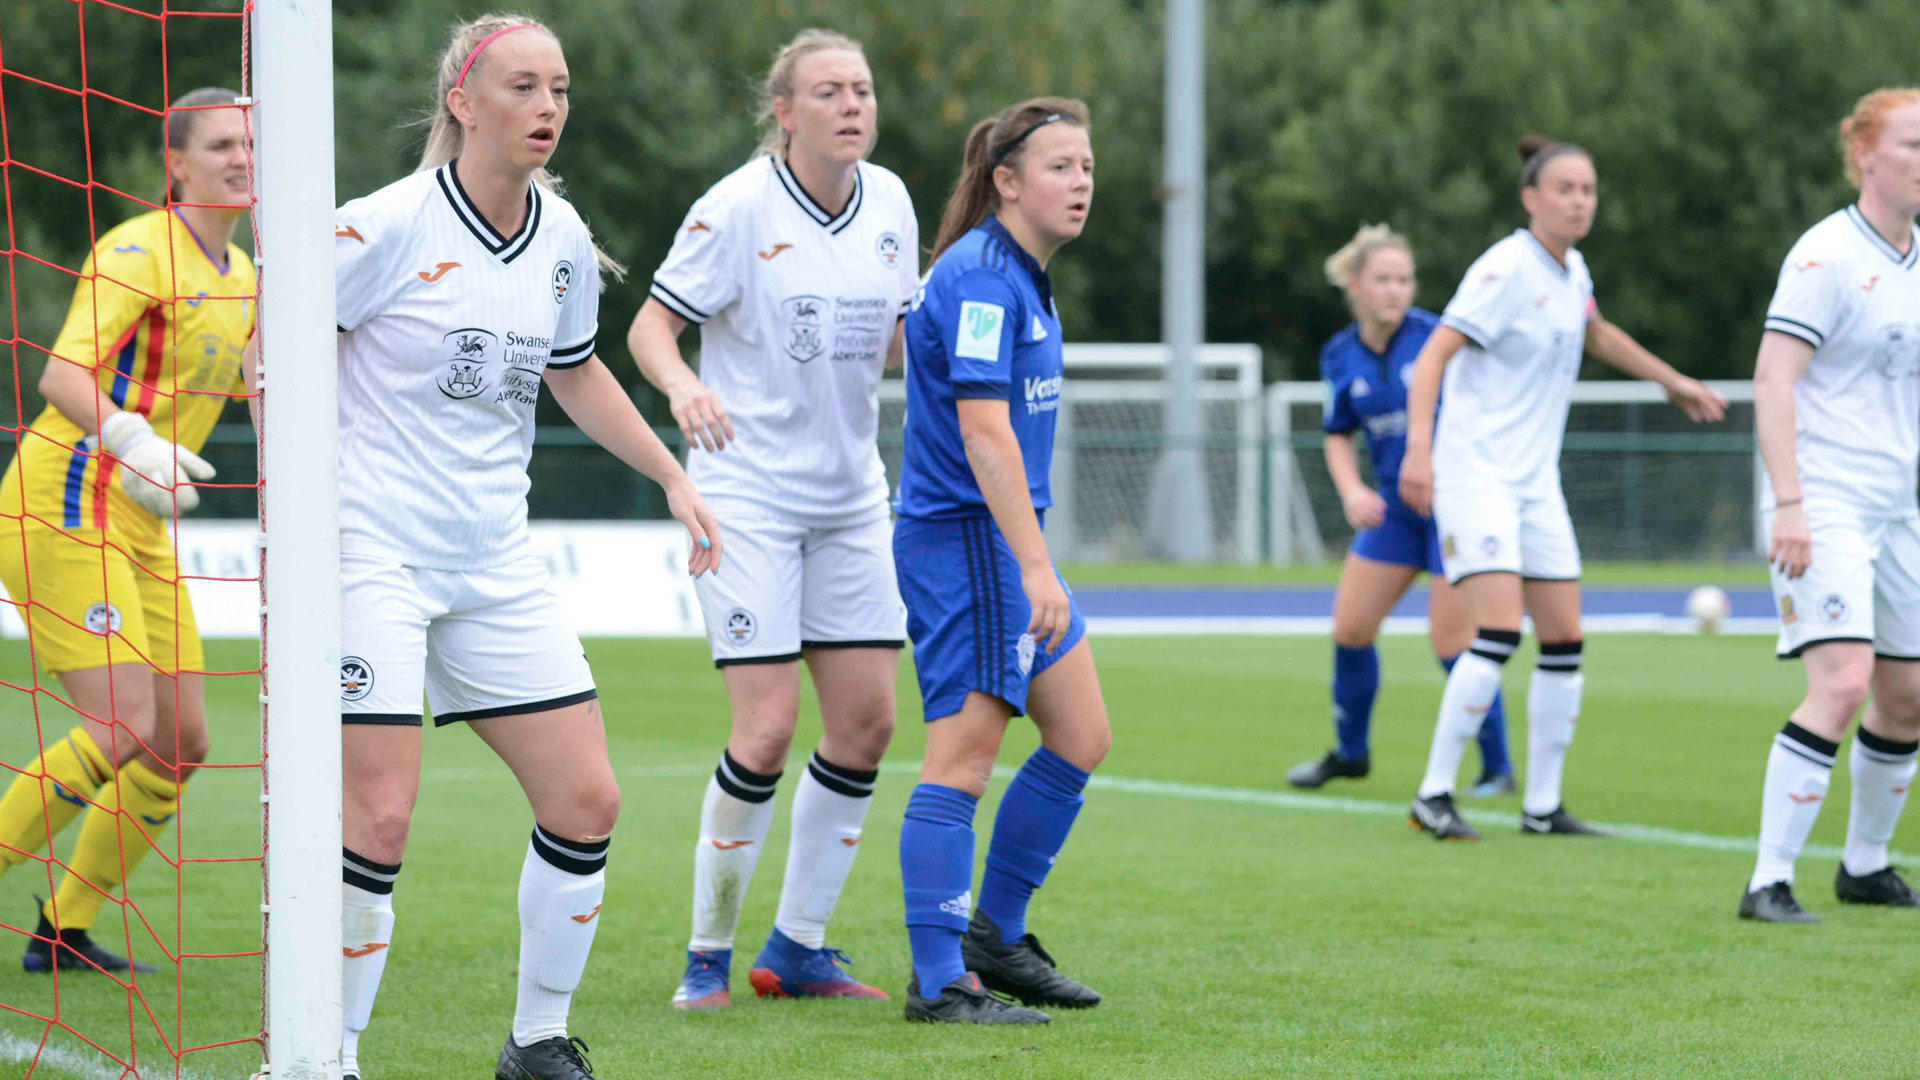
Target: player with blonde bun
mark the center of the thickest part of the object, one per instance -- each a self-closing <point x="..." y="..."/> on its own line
<point x="1488" y="469"/>
<point x="1836" y="394"/>
<point x="797" y="267"/>
<point x="146" y="361"/>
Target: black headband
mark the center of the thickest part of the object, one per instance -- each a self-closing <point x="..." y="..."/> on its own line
<point x="1013" y="144"/>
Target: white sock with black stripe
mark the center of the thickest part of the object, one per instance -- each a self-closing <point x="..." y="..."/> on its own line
<point x="1553" y="704"/>
<point x="1882" y="770"/>
<point x="1799" y="768"/>
<point x="366" y="925"/>
<point x="1471" y="687"/>
<point x="562" y="883"/>
<point x="734" y="819"/>
<point x="829" y="810"/>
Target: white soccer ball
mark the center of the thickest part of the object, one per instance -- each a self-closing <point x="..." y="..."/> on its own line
<point x="1708" y="607"/>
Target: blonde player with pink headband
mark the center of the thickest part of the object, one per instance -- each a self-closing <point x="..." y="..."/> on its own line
<point x="463" y="290"/>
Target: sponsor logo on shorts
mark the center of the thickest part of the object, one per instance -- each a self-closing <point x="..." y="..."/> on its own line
<point x="1448" y="548"/>
<point x="356" y="678"/>
<point x="562" y="280"/>
<point x="1833" y="609"/>
<point x="1787" y="615"/>
<point x="1490" y="547"/>
<point x="888" y="248"/>
<point x="740" y="626"/>
<point x="1023" y="653"/>
<point x="805" y="338"/>
<point x="102" y="619"/>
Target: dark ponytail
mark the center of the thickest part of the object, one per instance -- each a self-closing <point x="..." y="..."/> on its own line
<point x="1537" y="151"/>
<point x="990" y="145"/>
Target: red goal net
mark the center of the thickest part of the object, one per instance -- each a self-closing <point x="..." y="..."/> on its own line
<point x="128" y="644"/>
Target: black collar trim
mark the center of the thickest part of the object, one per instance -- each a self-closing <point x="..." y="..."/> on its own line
<point x="830" y="222"/>
<point x="506" y="249"/>
<point x="1540" y="249"/>
<point x="1905" y="262"/>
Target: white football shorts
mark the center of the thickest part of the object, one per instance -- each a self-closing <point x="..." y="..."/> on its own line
<point x="478" y="643"/>
<point x="784" y="586"/>
<point x="1863" y="584"/>
<point x="1492" y="528"/>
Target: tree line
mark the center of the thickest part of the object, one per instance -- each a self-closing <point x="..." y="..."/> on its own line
<point x="1711" y="122"/>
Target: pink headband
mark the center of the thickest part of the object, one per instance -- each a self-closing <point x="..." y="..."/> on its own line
<point x="484" y="42"/>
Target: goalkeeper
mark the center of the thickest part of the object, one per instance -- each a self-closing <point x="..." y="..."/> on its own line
<point x="148" y="356"/>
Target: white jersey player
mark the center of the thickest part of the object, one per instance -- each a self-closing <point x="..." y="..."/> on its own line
<point x="797" y="268"/>
<point x="462" y="290"/>
<point x="1837" y="404"/>
<point x="1509" y="348"/>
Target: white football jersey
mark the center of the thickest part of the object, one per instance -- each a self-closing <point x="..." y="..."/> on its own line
<point x="1507" y="391"/>
<point x="445" y="330"/>
<point x="1855" y="299"/>
<point x="796" y="308"/>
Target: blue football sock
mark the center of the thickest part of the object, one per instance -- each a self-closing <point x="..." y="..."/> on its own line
<point x="1035" y="816"/>
<point x="936" y="866"/>
<point x="1356" y="679"/>
<point x="1493" y="734"/>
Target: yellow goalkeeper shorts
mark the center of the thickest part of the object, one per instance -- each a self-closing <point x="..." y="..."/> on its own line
<point x="89" y="602"/>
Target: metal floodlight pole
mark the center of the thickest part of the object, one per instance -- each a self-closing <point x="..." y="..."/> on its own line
<point x="1184" y="526"/>
<point x="300" y="698"/>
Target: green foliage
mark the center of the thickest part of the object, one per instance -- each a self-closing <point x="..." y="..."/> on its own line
<point x="1711" y="122"/>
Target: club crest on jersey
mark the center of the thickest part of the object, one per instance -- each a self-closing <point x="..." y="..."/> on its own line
<point x="102" y="619"/>
<point x="562" y="280"/>
<point x="888" y="247"/>
<point x="1898" y="354"/>
<point x="740" y="627"/>
<point x="804" y="338"/>
<point x="466" y="374"/>
<point x="356" y="678"/>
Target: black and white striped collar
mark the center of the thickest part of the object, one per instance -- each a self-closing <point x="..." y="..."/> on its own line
<point x="1907" y="261"/>
<point x="506" y="249"/>
<point x="833" y="223"/>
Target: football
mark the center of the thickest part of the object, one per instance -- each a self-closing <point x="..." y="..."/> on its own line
<point x="1708" y="607"/>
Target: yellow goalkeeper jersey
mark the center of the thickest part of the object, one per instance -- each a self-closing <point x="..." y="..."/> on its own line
<point x="162" y="321"/>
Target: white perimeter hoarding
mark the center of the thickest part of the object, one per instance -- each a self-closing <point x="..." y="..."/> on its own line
<point x="614" y="578"/>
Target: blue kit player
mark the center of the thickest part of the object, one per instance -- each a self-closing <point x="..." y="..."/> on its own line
<point x="995" y="632"/>
<point x="1365" y="367"/>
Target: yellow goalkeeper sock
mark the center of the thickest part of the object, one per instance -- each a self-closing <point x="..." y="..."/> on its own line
<point x="76" y="768"/>
<point x="111" y="844"/>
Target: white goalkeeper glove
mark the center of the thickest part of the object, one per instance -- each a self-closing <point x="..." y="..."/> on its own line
<point x="150" y="465"/>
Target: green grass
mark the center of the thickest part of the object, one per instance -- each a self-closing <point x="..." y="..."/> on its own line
<point x="1231" y="938"/>
<point x="1326" y="573"/>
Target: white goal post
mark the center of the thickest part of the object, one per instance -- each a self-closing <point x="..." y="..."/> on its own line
<point x="1292" y="429"/>
<point x="292" y="82"/>
<point x="1108" y="441"/>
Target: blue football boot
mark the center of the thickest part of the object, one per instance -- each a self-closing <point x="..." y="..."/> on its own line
<point x="788" y="969"/>
<point x="704" y="986"/>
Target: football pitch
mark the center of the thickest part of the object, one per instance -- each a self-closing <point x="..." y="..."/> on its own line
<point x="1236" y="928"/>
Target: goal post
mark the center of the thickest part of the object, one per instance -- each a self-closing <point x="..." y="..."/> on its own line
<point x="292" y="82"/>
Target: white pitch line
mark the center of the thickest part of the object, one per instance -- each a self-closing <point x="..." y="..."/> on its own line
<point x="18" y="1050"/>
<point x="1322" y="625"/>
<point x="1285" y="800"/>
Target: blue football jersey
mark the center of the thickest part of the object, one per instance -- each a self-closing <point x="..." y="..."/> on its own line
<point x="1366" y="389"/>
<point x="982" y="326"/>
